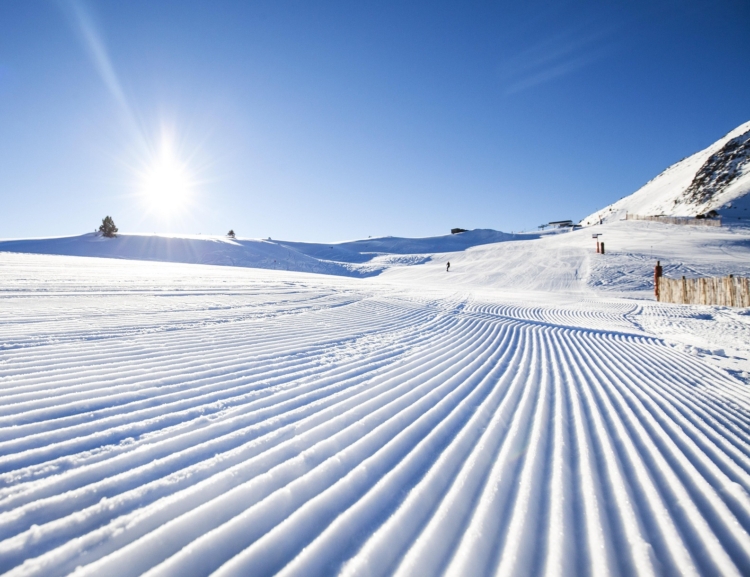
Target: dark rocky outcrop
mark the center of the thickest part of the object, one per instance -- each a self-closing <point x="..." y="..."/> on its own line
<point x="719" y="171"/>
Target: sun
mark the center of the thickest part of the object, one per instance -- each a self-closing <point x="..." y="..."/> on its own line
<point x="166" y="184"/>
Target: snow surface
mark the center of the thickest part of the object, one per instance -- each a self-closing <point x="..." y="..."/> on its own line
<point x="666" y="194"/>
<point x="532" y="411"/>
<point x="355" y="258"/>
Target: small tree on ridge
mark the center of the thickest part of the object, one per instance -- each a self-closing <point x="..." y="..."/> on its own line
<point x="108" y="227"/>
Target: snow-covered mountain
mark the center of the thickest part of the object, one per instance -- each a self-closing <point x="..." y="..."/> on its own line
<point x="716" y="178"/>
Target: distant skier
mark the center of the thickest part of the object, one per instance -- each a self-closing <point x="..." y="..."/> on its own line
<point x="448" y="268"/>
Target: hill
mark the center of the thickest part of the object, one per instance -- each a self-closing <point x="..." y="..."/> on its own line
<point x="533" y="411"/>
<point x="715" y="178"/>
<point x="358" y="258"/>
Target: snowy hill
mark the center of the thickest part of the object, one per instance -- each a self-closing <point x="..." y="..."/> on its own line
<point x="355" y="258"/>
<point x="532" y="411"/>
<point x="716" y="178"/>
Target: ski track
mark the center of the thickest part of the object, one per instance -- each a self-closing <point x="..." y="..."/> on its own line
<point x="176" y="420"/>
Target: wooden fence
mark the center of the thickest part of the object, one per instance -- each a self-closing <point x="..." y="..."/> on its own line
<point x="676" y="219"/>
<point x="730" y="291"/>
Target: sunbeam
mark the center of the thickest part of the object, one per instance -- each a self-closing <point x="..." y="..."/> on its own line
<point x="166" y="183"/>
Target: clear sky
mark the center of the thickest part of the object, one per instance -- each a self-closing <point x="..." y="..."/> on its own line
<point x="318" y="120"/>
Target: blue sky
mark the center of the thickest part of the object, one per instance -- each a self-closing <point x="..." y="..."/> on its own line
<point x="338" y="120"/>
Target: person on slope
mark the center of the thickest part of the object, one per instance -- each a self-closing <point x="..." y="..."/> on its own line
<point x="448" y="268"/>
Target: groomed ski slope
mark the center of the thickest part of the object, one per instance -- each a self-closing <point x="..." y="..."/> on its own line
<point x="174" y="419"/>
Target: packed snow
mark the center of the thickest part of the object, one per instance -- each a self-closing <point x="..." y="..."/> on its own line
<point x="532" y="411"/>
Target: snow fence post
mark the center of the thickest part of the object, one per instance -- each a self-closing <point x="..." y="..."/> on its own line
<point x="602" y="247"/>
<point x="657" y="275"/>
<point x="684" y="290"/>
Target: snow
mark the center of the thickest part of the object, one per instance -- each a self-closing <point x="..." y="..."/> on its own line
<point x="532" y="411"/>
<point x="355" y="258"/>
<point x="665" y="194"/>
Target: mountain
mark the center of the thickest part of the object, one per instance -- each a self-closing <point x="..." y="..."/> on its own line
<point x="716" y="178"/>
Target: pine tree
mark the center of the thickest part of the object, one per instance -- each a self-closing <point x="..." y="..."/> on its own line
<point x="108" y="227"/>
<point x="230" y="234"/>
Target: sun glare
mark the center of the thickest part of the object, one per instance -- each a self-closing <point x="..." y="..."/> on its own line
<point x="167" y="184"/>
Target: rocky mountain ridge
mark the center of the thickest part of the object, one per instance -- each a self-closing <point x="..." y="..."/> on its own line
<point x="716" y="178"/>
<point x="720" y="171"/>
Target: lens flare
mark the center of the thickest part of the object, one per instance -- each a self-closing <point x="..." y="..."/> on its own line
<point x="167" y="184"/>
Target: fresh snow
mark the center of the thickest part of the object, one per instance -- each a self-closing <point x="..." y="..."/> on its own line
<point x="670" y="193"/>
<point x="532" y="411"/>
<point x="355" y="258"/>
